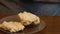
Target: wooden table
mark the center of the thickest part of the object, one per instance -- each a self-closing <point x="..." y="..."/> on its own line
<point x="52" y="22"/>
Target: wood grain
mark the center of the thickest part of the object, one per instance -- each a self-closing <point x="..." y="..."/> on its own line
<point x="52" y="22"/>
<point x="53" y="25"/>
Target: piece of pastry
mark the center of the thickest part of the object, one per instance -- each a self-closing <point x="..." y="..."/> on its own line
<point x="12" y="26"/>
<point x="28" y="18"/>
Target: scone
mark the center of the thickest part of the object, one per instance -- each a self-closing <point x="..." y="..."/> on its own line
<point x="12" y="26"/>
<point x="28" y="18"/>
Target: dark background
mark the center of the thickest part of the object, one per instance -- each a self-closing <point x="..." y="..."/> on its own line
<point x="41" y="7"/>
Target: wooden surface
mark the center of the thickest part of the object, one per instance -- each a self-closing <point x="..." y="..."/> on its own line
<point x="52" y="22"/>
<point x="53" y="25"/>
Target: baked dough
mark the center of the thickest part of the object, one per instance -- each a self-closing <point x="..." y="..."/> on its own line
<point x="28" y="18"/>
<point x="12" y="26"/>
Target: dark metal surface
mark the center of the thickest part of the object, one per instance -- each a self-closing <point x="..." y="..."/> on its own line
<point x="38" y="8"/>
<point x="44" y="9"/>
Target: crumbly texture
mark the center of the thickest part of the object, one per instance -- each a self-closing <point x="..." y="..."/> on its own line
<point x="12" y="26"/>
<point x="28" y="18"/>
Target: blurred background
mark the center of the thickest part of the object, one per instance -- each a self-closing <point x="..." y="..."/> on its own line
<point x="38" y="7"/>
